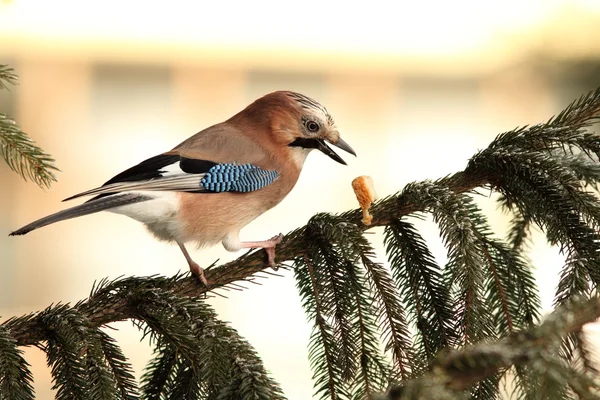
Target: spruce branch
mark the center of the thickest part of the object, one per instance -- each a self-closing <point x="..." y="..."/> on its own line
<point x="374" y="372"/>
<point x="102" y="380"/>
<point x="180" y="326"/>
<point x="185" y="384"/>
<point x="16" y="382"/>
<point x="331" y="278"/>
<point x="82" y="367"/>
<point x="519" y="232"/>
<point x="7" y="77"/>
<point x="586" y="166"/>
<point x="422" y="288"/>
<point x="336" y="295"/>
<point x="323" y="349"/>
<point x="65" y="349"/>
<point x="392" y="319"/>
<point x="121" y="370"/>
<point x="498" y="291"/>
<point x="531" y="350"/>
<point x="548" y="194"/>
<point x="536" y="172"/>
<point x="460" y="225"/>
<point x="21" y="153"/>
<point x="159" y="371"/>
<point x="510" y="287"/>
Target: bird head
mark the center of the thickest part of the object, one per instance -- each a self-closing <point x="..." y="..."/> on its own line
<point x="316" y="128"/>
<point x="299" y="124"/>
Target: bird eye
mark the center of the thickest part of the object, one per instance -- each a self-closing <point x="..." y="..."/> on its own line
<point x="312" y="126"/>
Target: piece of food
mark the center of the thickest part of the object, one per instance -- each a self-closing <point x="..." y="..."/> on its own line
<point x="365" y="193"/>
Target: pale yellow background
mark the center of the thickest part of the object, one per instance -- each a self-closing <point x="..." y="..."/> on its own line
<point x="416" y="87"/>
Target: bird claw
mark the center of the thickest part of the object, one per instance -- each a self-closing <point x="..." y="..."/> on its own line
<point x="268" y="246"/>
<point x="271" y="258"/>
<point x="275" y="240"/>
<point x="198" y="272"/>
<point x="270" y="250"/>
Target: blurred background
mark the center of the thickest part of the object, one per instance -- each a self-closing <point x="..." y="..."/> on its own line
<point x="415" y="87"/>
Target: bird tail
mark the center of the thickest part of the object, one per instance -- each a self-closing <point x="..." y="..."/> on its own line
<point x="89" y="207"/>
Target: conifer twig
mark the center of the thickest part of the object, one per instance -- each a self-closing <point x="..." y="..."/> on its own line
<point x="522" y="165"/>
<point x="20" y="152"/>
<point x="460" y="370"/>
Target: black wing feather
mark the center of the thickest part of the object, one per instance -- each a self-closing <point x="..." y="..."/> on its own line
<point x="147" y="169"/>
<point x="193" y="166"/>
<point x="151" y="168"/>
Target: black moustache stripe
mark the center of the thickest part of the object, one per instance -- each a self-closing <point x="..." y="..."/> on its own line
<point x="306" y="143"/>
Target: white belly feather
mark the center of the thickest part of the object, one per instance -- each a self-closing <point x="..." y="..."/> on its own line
<point x="158" y="214"/>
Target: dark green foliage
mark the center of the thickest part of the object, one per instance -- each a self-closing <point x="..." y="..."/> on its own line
<point x="540" y="372"/>
<point x="122" y="374"/>
<point x="422" y="288"/>
<point x="332" y="280"/>
<point x="196" y="353"/>
<point x="197" y="356"/>
<point x="510" y="288"/>
<point x="85" y="362"/>
<point x="247" y="379"/>
<point x="75" y="355"/>
<point x="159" y="371"/>
<point x="20" y="152"/>
<point x="15" y="377"/>
<point x="520" y="228"/>
<point x="391" y="316"/>
<point x="7" y="77"/>
<point x="461" y="226"/>
<point x="547" y="192"/>
<point x="415" y="330"/>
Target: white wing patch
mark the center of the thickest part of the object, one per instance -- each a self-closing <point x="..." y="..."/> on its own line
<point x="172" y="170"/>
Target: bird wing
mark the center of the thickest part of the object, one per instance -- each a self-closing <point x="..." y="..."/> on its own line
<point x="211" y="161"/>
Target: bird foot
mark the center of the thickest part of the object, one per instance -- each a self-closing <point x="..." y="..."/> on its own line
<point x="269" y="246"/>
<point x="274" y="241"/>
<point x="198" y="271"/>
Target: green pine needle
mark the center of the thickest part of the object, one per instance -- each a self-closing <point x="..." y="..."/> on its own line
<point x="541" y="373"/>
<point x="7" y="77"/>
<point x="20" y="152"/>
<point x="16" y="382"/>
<point x="422" y="288"/>
<point x="23" y="156"/>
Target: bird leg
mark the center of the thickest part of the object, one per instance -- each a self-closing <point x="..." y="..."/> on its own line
<point x="197" y="270"/>
<point x="268" y="245"/>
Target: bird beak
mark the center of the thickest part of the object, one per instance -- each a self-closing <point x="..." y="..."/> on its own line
<point x="314" y="143"/>
<point x="344" y="146"/>
<point x="340" y="143"/>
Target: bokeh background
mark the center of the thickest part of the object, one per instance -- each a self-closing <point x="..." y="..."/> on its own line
<point x="416" y="87"/>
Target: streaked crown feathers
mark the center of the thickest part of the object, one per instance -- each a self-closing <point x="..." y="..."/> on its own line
<point x="310" y="104"/>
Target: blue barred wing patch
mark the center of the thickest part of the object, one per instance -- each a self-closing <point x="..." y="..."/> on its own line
<point x="237" y="178"/>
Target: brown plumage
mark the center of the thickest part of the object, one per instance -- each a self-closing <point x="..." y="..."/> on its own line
<point x="169" y="193"/>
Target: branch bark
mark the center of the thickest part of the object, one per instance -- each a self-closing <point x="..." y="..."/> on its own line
<point x="30" y="331"/>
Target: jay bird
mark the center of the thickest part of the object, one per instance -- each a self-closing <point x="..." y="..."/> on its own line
<point x="216" y="182"/>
